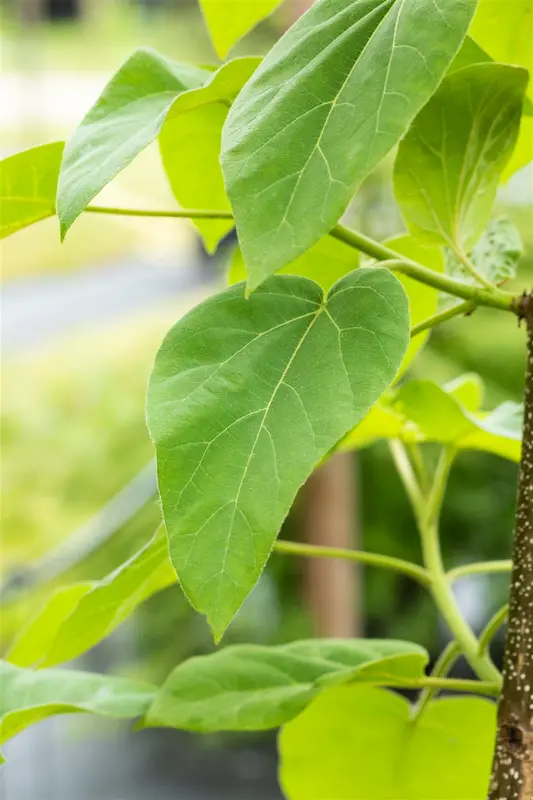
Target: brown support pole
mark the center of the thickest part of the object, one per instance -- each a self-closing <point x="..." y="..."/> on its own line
<point x="512" y="774"/>
<point x="333" y="588"/>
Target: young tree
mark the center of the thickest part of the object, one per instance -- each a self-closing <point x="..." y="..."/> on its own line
<point x="305" y="355"/>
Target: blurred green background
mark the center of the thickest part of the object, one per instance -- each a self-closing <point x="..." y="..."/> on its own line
<point x="73" y="429"/>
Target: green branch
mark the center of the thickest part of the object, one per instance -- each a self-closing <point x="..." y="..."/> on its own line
<point x="426" y="515"/>
<point x="493" y="297"/>
<point x="479" y="568"/>
<point x="413" y="571"/>
<point x="492" y="626"/>
<point x="444" y="316"/>
<point x="438" y="684"/>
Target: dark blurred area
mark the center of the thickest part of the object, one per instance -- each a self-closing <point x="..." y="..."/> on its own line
<point x="80" y="326"/>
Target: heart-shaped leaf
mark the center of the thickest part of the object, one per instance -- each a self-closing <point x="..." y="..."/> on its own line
<point x="449" y="165"/>
<point x="66" y="628"/>
<point x="250" y="687"/>
<point x="28" y="185"/>
<point x="246" y="397"/>
<point x="362" y="743"/>
<point x="28" y="696"/>
<point x="129" y="115"/>
<point x="326" y="262"/>
<point x="329" y="101"/>
<point x="230" y="20"/>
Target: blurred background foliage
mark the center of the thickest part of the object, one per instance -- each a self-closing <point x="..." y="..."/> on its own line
<point x="73" y="429"/>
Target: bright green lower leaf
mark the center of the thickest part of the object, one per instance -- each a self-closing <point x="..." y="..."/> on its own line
<point x="250" y="687"/>
<point x="361" y="743"/>
<point x="439" y="417"/>
<point x="65" y="629"/>
<point x="449" y="165"/>
<point x="36" y="638"/>
<point x="230" y="20"/>
<point x="503" y="29"/>
<point x="190" y="149"/>
<point x="27" y="696"/>
<point x="28" y="185"/>
<point x="328" y="102"/>
<point x="246" y="397"/>
<point x="325" y="263"/>
<point x="128" y="116"/>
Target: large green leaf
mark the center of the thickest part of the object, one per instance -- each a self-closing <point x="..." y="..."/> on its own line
<point x="28" y="185"/>
<point x="361" y="743"/>
<point x="128" y="116"/>
<point x="229" y="20"/>
<point x="325" y="263"/>
<point x="251" y="687"/>
<point x="329" y="101"/>
<point x="449" y="164"/>
<point x="65" y="629"/>
<point x="246" y="397"/>
<point x="26" y="696"/>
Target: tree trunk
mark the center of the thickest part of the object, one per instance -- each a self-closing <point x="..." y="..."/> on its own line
<point x="512" y="775"/>
<point x="329" y="517"/>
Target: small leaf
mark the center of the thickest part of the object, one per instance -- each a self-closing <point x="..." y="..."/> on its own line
<point x="230" y="20"/>
<point x="246" y="397"/>
<point x="361" y="743"/>
<point x="449" y="164"/>
<point x="468" y="390"/>
<point x="381" y="422"/>
<point x="495" y="256"/>
<point x="326" y="262"/>
<point x="299" y="141"/>
<point x="28" y="185"/>
<point x="251" y="687"/>
<point x="66" y="628"/>
<point x="190" y="147"/>
<point x="35" y="638"/>
<point x="128" y="116"/>
<point x="440" y="417"/>
<point x="26" y="696"/>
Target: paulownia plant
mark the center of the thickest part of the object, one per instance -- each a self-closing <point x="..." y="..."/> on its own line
<point x="304" y="354"/>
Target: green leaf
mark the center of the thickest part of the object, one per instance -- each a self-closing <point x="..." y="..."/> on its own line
<point x="36" y="638"/>
<point x="190" y="148"/>
<point x="246" y="397"/>
<point x="381" y="422"/>
<point x="65" y="629"/>
<point x="523" y="152"/>
<point x="252" y="687"/>
<point x="299" y="139"/>
<point x="468" y="390"/>
<point x="230" y="20"/>
<point x="325" y="263"/>
<point x="129" y="115"/>
<point x="495" y="256"/>
<point x="423" y="300"/>
<point x="28" y="184"/>
<point x="449" y="164"/>
<point x="503" y="30"/>
<point x="360" y="743"/>
<point x="439" y="417"/>
<point x="26" y="696"/>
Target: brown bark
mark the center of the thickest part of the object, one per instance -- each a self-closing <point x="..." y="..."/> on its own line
<point x="329" y="517"/>
<point x="512" y="774"/>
